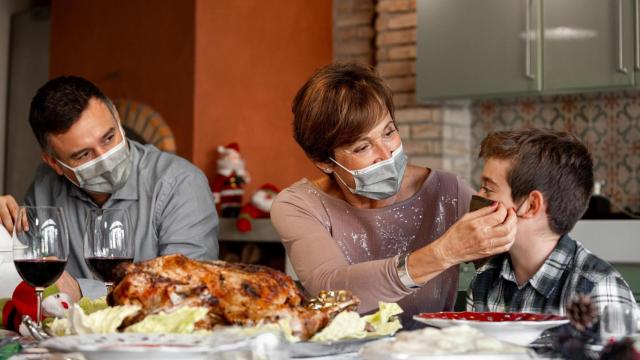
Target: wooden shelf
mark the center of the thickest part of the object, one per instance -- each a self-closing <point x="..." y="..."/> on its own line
<point x="261" y="231"/>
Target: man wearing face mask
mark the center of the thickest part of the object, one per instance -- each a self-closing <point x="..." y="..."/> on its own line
<point x="373" y="224"/>
<point x="89" y="163"/>
<point x="548" y="177"/>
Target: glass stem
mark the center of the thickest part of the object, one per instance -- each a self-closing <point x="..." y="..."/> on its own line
<point x="39" y="291"/>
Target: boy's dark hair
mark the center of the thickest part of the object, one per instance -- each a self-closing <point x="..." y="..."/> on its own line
<point x="555" y="163"/>
<point x="58" y="104"/>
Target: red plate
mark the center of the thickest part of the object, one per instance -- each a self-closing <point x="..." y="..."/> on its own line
<point x="490" y="316"/>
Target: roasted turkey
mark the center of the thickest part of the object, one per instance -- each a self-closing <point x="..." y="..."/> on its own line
<point x="236" y="294"/>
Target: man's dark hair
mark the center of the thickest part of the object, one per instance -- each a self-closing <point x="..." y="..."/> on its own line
<point x="59" y="103"/>
<point x="555" y="163"/>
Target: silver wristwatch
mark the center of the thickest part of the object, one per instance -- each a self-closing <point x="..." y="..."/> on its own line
<point x="403" y="272"/>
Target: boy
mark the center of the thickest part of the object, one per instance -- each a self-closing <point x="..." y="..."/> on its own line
<point x="547" y="177"/>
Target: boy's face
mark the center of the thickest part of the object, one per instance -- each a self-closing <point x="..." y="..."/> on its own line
<point x="493" y="182"/>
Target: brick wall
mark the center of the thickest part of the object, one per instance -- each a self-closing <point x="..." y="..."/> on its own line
<point x="353" y="33"/>
<point x="383" y="33"/>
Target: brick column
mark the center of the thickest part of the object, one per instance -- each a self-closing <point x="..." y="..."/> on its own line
<point x="434" y="136"/>
<point x="353" y="33"/>
<point x="383" y="33"/>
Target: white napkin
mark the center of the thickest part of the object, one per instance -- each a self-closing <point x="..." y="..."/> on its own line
<point x="9" y="277"/>
<point x="6" y="242"/>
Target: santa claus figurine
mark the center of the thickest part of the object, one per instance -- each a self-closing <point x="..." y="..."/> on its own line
<point x="24" y="302"/>
<point x="228" y="184"/>
<point x="258" y="208"/>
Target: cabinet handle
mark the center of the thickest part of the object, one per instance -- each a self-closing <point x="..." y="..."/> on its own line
<point x="621" y="67"/>
<point x="637" y="34"/>
<point x="527" y="50"/>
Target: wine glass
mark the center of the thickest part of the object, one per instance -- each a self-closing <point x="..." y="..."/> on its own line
<point x="618" y="321"/>
<point x="40" y="247"/>
<point x="107" y="242"/>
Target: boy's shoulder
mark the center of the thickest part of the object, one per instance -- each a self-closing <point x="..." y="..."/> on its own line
<point x="595" y="276"/>
<point x="590" y="266"/>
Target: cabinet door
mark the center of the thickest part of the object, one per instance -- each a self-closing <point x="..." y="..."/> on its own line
<point x="636" y="45"/>
<point x="587" y="44"/>
<point x="469" y="48"/>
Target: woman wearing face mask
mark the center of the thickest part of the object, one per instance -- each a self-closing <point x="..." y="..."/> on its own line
<point x="374" y="225"/>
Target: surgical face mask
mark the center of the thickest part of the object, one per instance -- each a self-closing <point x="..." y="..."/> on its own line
<point x="104" y="174"/>
<point x="380" y="180"/>
<point x="520" y="208"/>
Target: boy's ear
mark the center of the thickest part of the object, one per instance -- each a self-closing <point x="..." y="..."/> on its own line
<point x="537" y="204"/>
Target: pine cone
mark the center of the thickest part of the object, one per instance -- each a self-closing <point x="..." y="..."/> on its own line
<point x="582" y="312"/>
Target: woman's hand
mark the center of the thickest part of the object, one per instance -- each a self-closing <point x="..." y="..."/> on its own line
<point x="479" y="234"/>
<point x="485" y="232"/>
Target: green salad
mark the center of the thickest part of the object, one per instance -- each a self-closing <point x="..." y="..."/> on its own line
<point x="96" y="317"/>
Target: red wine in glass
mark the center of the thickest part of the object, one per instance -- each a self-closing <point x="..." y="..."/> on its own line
<point x="108" y="242"/>
<point x="103" y="267"/>
<point x="40" y="247"/>
<point x="40" y="272"/>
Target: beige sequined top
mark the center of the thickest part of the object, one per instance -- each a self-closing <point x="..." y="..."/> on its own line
<point x="333" y="245"/>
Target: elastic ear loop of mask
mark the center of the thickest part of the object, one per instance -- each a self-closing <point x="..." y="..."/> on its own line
<point x="344" y="183"/>
<point x="520" y="207"/>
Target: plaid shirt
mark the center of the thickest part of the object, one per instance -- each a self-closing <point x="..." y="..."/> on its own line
<point x="569" y="270"/>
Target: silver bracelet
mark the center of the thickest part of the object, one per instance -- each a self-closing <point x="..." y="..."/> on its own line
<point x="403" y="272"/>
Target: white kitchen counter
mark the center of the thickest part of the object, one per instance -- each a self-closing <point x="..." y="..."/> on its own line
<point x="616" y="241"/>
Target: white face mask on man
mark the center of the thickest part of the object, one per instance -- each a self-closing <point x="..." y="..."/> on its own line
<point x="106" y="173"/>
<point x="380" y="180"/>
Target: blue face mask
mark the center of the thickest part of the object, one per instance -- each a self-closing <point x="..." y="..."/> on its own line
<point x="380" y="180"/>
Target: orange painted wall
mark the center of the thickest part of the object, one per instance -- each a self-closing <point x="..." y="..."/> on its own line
<point x="217" y="71"/>
<point x="137" y="49"/>
<point x="251" y="58"/>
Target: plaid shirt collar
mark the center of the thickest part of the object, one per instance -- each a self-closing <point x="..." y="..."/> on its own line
<point x="544" y="281"/>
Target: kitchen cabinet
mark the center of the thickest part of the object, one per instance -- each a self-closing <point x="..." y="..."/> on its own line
<point x="467" y="48"/>
<point x="587" y="44"/>
<point x="522" y="47"/>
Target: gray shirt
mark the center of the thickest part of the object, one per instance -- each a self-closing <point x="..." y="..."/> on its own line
<point x="168" y="199"/>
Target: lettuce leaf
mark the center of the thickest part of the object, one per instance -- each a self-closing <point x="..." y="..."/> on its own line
<point x="283" y="326"/>
<point x="349" y="325"/>
<point x="103" y="321"/>
<point x="346" y="325"/>
<point x="384" y="320"/>
<point x="59" y="327"/>
<point x="180" y="321"/>
<point x="90" y="306"/>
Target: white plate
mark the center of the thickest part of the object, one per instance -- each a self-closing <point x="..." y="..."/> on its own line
<point x="314" y="349"/>
<point x="136" y="346"/>
<point x="515" y="332"/>
<point x="372" y="351"/>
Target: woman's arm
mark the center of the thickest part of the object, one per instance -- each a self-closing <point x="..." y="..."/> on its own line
<point x="319" y="262"/>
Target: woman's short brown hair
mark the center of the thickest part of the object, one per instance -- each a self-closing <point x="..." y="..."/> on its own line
<point x="336" y="106"/>
<point x="555" y="163"/>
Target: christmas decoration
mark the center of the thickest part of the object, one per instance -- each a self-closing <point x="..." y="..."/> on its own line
<point x="258" y="208"/>
<point x="228" y="183"/>
<point x="24" y="302"/>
